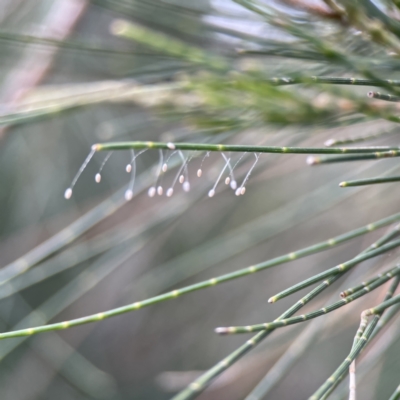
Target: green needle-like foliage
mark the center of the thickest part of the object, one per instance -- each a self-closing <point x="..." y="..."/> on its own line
<point x="180" y="103"/>
<point x="304" y="317"/>
<point x="363" y="334"/>
<point x="224" y="278"/>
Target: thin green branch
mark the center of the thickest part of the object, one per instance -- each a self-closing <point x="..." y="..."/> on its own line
<point x="346" y="266"/>
<point x="203" y="381"/>
<point x="196" y="387"/>
<point x="314" y="314"/>
<point x="362" y="337"/>
<point x="370" y="181"/>
<point x="373" y="358"/>
<point x="383" y="306"/>
<point x="207" y="283"/>
<point x="362" y="138"/>
<point x="240" y="148"/>
<point x="362" y="285"/>
<point x="355" y="157"/>
<point x="293" y="353"/>
<point x="383" y="96"/>
<point x="282" y="81"/>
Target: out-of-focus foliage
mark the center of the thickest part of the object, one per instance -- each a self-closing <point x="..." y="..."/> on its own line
<point x="291" y="73"/>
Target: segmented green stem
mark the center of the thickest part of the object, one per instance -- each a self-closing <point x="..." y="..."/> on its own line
<point x="239" y="148"/>
<point x="281" y="367"/>
<point x="383" y="306"/>
<point x="362" y="138"/>
<point x="363" y="335"/>
<point x="356" y="157"/>
<point x="207" y="283"/>
<point x="305" y="317"/>
<point x="203" y="381"/>
<point x="371" y="181"/>
<point x="396" y="394"/>
<point x="335" y="270"/>
<point x="362" y="285"/>
<point x="383" y="96"/>
<point x="332" y="81"/>
<point x="391" y="234"/>
<point x="372" y="358"/>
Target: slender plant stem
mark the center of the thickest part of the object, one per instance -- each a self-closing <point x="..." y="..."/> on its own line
<point x="281" y="367"/>
<point x="362" y="138"/>
<point x="207" y="283"/>
<point x="370" y="181"/>
<point x="196" y="387"/>
<point x="314" y="314"/>
<point x="204" y="380"/>
<point x="293" y="353"/>
<point x="240" y="148"/>
<point x="355" y="157"/>
<point x="333" y="81"/>
<point x="383" y="306"/>
<point x="383" y="321"/>
<point x="332" y="271"/>
<point x="382" y="96"/>
<point x="362" y="285"/>
<point x="362" y="337"/>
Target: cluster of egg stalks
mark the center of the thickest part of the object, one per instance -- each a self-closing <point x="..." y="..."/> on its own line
<point x="159" y="190"/>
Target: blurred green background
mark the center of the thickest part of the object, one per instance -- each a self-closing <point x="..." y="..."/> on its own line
<point x="151" y="245"/>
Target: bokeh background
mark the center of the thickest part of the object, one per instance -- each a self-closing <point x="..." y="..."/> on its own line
<point x="67" y="83"/>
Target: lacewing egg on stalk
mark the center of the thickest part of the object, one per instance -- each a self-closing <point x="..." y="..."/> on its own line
<point x="128" y="195"/>
<point x="68" y="193"/>
<point x="152" y="191"/>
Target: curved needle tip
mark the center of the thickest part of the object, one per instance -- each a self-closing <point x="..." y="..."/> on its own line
<point x="343" y="184"/>
<point x="271" y="300"/>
